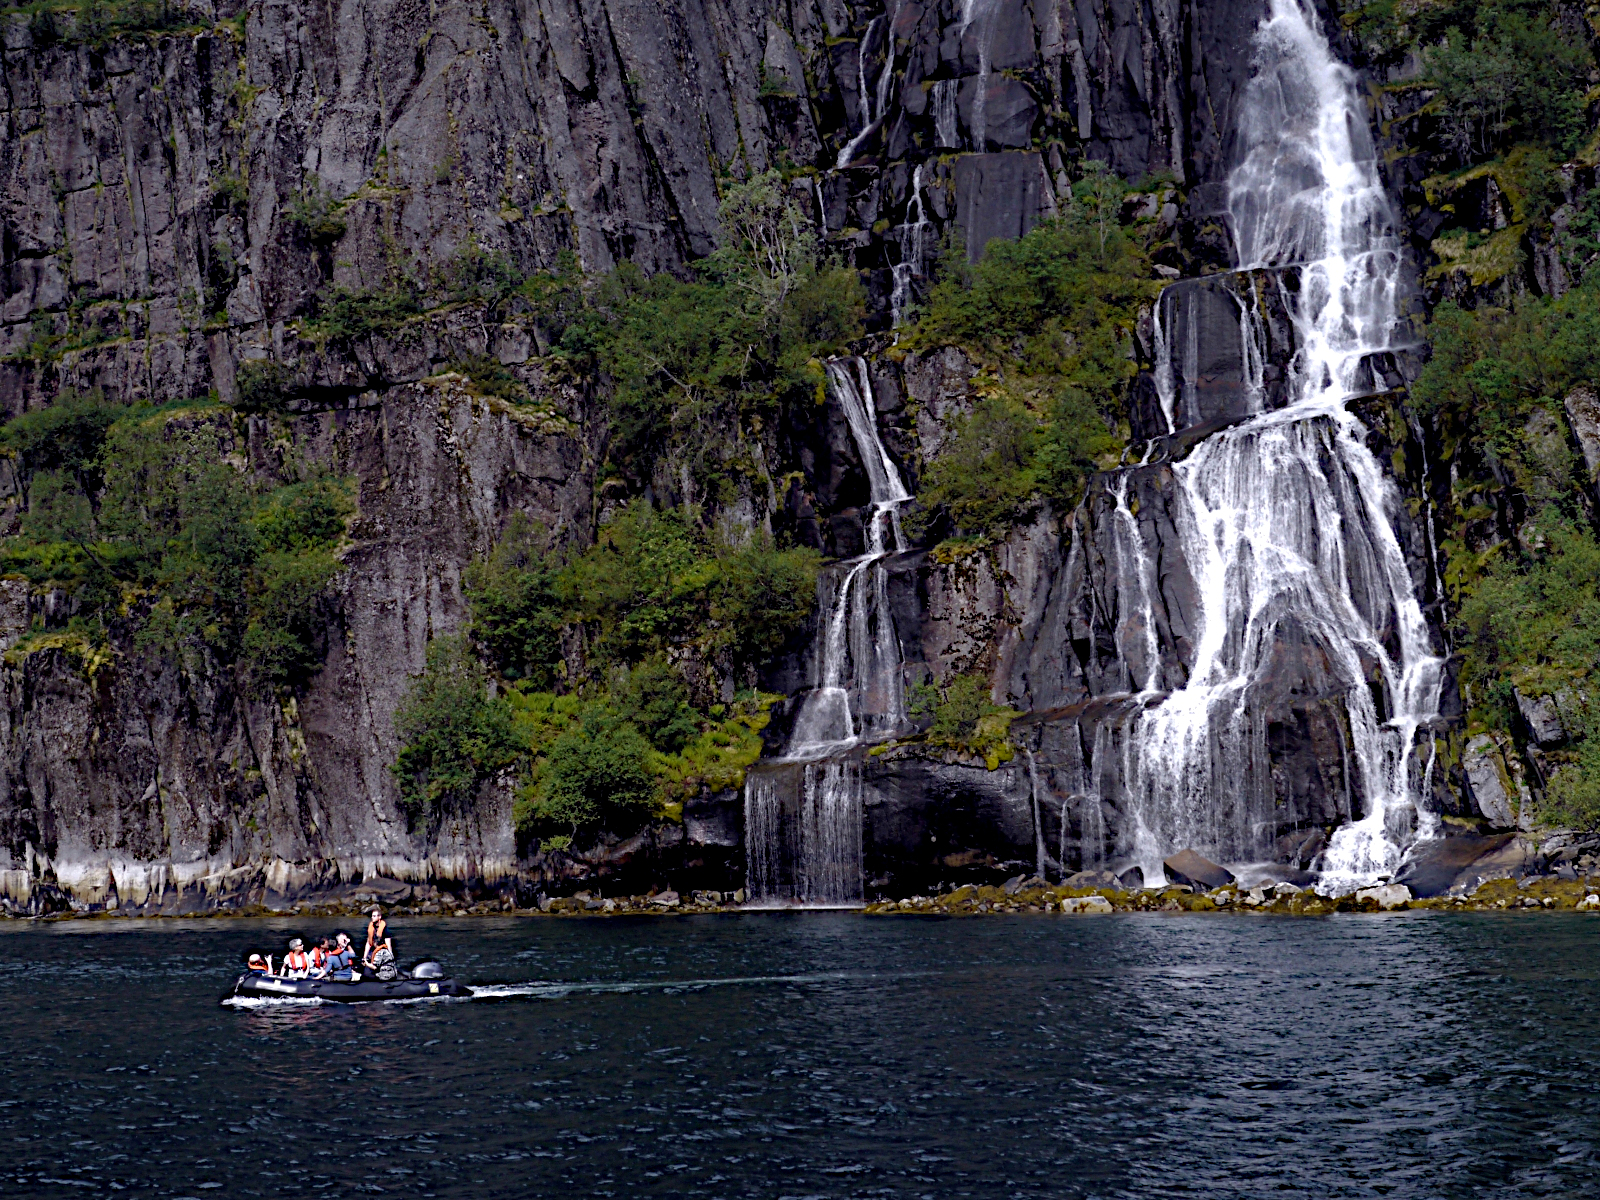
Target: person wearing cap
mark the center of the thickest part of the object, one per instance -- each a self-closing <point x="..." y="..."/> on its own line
<point x="258" y="965"/>
<point x="296" y="963"/>
<point x="342" y="959"/>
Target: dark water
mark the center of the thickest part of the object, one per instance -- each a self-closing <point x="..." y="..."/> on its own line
<point x="1416" y="1055"/>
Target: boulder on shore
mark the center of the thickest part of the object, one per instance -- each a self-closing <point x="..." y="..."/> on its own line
<point x="1463" y="862"/>
<point x="1086" y="904"/>
<point x="1386" y="896"/>
<point x="1188" y="866"/>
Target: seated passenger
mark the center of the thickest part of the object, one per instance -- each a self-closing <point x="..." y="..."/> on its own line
<point x="259" y="966"/>
<point x="341" y="962"/>
<point x="319" y="958"/>
<point x="296" y="963"/>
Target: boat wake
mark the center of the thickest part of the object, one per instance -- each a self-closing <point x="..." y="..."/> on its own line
<point x="557" y="990"/>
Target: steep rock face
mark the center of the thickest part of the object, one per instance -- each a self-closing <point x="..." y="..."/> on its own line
<point x="144" y="780"/>
<point x="159" y="206"/>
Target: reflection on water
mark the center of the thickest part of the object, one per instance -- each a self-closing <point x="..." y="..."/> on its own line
<point x="820" y="1055"/>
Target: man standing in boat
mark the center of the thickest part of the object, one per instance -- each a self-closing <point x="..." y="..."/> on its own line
<point x="380" y="950"/>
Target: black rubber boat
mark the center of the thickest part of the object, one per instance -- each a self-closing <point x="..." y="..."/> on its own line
<point x="426" y="981"/>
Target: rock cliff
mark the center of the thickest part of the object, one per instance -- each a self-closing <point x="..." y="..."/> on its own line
<point x="175" y="203"/>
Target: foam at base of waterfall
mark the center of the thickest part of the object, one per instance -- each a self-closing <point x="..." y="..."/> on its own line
<point x="803" y="839"/>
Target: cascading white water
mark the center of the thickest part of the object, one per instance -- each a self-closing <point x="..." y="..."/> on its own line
<point x="1285" y="519"/>
<point x="913" y="235"/>
<point x="946" y="133"/>
<point x="858" y="694"/>
<point x="874" y="101"/>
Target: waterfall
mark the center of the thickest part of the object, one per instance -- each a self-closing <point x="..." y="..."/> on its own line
<point x="946" y="133"/>
<point x="803" y="830"/>
<point x="1285" y="519"/>
<point x="874" y="101"/>
<point x="913" y="234"/>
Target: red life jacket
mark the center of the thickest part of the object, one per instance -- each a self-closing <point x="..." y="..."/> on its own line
<point x="319" y="957"/>
<point x="296" y="960"/>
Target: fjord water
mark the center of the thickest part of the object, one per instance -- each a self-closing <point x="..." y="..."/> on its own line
<point x="820" y="1055"/>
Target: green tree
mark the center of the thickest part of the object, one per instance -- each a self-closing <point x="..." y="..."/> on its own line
<point x="516" y="612"/>
<point x="455" y="735"/>
<point x="597" y="773"/>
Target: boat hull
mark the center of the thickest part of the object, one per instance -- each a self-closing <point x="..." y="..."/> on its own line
<point x="368" y="988"/>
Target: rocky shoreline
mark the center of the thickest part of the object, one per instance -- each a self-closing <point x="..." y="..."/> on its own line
<point x="1533" y="894"/>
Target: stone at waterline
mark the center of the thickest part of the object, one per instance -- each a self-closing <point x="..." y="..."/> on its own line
<point x="1386" y="896"/>
<point x="1193" y="868"/>
<point x="1437" y="866"/>
<point x="1086" y="904"/>
<point x="665" y="899"/>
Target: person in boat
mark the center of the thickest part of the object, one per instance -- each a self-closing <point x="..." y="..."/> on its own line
<point x="296" y="963"/>
<point x="258" y="965"/>
<point x="377" y="932"/>
<point x="342" y="959"/>
<point x="319" y="958"/>
<point x="380" y="947"/>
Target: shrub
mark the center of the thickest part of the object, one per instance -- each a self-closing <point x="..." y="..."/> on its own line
<point x="489" y="377"/>
<point x="262" y="385"/>
<point x="653" y="580"/>
<point x="1048" y="319"/>
<point x="1508" y="73"/>
<point x="964" y="718"/>
<point x="516" y="614"/>
<point x="989" y="470"/>
<point x="596" y="773"/>
<point x="317" y="214"/>
<point x="653" y="697"/>
<point x="66" y="436"/>
<point x="455" y="736"/>
<point x="345" y="314"/>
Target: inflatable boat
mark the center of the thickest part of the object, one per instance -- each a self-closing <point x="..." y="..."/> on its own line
<point x="426" y="981"/>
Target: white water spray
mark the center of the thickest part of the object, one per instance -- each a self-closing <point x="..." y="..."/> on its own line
<point x="803" y="813"/>
<point x="1285" y="521"/>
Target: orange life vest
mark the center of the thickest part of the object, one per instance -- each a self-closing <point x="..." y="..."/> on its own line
<point x="296" y="960"/>
<point x="319" y="957"/>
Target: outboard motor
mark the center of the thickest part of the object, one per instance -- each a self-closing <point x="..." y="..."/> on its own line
<point x="427" y="969"/>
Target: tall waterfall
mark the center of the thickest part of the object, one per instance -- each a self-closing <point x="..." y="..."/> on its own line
<point x="803" y="812"/>
<point x="1285" y="520"/>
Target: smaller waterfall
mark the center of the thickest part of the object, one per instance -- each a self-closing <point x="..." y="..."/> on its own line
<point x="946" y="133"/>
<point x="913" y="237"/>
<point x="803" y="833"/>
<point x="803" y="812"/>
<point x="874" y="101"/>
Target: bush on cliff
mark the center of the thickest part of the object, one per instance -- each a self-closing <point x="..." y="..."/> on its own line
<point x="456" y="735"/>
<point x="965" y="718"/>
<point x="654" y="579"/>
<point x="693" y="364"/>
<point x="140" y="510"/>
<point x="1506" y="72"/>
<point x="516" y="614"/>
<point x="1049" y="320"/>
